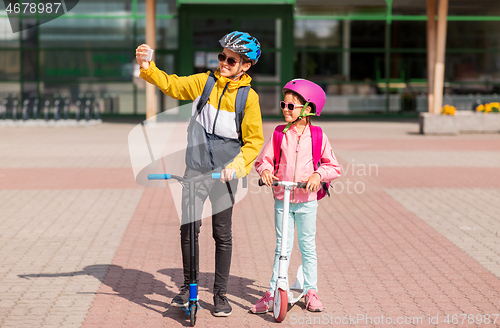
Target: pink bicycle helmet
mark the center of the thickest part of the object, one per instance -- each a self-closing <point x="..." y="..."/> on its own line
<point x="310" y="91"/>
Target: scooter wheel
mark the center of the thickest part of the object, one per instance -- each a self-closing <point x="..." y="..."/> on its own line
<point x="280" y="305"/>
<point x="192" y="314"/>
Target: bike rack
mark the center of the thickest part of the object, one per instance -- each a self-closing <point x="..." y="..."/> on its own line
<point x="51" y="110"/>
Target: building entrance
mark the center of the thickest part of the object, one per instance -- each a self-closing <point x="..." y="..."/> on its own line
<point x="201" y="27"/>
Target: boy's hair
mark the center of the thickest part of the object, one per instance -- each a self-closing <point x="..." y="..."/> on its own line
<point x="301" y="100"/>
<point x="246" y="60"/>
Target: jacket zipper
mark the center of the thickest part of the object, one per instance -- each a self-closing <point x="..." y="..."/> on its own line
<point x="218" y="107"/>
<point x="213" y="127"/>
<point x="295" y="167"/>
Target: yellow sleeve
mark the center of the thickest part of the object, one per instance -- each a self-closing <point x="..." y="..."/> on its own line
<point x="252" y="135"/>
<point x="182" y="88"/>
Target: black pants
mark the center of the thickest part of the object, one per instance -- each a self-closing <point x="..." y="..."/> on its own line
<point x="221" y="196"/>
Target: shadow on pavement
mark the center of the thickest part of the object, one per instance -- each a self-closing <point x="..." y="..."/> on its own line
<point x="240" y="288"/>
<point x="134" y="286"/>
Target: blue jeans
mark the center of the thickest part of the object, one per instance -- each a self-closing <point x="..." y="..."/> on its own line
<point x="304" y="216"/>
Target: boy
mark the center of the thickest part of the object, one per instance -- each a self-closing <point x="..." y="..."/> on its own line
<point x="217" y="118"/>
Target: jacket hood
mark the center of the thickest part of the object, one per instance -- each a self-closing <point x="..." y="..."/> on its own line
<point x="244" y="80"/>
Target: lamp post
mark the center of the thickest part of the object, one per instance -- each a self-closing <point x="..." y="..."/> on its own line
<point x="431" y="52"/>
<point x="388" y="53"/>
<point x="440" y="55"/>
<point x="151" y="102"/>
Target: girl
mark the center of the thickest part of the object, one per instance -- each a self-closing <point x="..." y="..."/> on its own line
<point x="302" y="98"/>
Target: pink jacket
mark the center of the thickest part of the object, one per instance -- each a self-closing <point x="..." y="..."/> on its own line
<point x="296" y="163"/>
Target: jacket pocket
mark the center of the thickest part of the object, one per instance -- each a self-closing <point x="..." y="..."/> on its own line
<point x="197" y="152"/>
<point x="222" y="150"/>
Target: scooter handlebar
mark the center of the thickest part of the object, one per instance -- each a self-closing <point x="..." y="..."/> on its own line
<point x="215" y="176"/>
<point x="277" y="183"/>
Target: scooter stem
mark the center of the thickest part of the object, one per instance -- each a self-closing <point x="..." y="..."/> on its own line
<point x="283" y="268"/>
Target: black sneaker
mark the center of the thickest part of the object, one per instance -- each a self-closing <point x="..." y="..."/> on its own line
<point x="182" y="299"/>
<point x="222" y="306"/>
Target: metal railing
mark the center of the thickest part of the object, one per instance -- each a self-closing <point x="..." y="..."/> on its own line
<point x="460" y="102"/>
<point x="347" y="104"/>
<point x="52" y="109"/>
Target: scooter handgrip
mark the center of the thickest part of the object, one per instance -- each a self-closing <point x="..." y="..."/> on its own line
<point x="302" y="185"/>
<point x="159" y="176"/>
<point x="216" y="176"/>
<point x="261" y="183"/>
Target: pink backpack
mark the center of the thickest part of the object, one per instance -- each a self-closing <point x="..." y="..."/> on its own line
<point x="317" y="142"/>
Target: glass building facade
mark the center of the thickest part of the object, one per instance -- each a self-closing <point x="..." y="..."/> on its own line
<point x="89" y="53"/>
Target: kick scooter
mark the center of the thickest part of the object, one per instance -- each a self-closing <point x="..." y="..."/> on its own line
<point x="282" y="292"/>
<point x="193" y="306"/>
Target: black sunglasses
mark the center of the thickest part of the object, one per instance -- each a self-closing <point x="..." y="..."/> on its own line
<point x="289" y="106"/>
<point x="230" y="60"/>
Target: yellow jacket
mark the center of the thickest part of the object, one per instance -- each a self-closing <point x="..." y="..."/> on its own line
<point x="191" y="88"/>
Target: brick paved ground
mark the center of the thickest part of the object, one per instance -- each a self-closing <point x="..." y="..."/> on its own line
<point x="411" y="232"/>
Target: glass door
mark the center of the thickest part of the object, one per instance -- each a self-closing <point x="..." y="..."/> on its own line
<point x="201" y="27"/>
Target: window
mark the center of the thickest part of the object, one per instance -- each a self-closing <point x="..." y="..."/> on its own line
<point x="317" y="33"/>
<point x="87" y="32"/>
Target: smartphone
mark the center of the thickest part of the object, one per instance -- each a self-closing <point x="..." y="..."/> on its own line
<point x="149" y="56"/>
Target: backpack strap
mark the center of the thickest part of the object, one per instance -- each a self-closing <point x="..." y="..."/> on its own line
<point x="207" y="90"/>
<point x="239" y="112"/>
<point x="277" y="140"/>
<point x="317" y="145"/>
<point x="240" y="104"/>
<point x="239" y="108"/>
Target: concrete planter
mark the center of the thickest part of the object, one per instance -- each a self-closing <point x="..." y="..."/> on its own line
<point x="469" y="122"/>
<point x="437" y="124"/>
<point x="462" y="122"/>
<point x="491" y="122"/>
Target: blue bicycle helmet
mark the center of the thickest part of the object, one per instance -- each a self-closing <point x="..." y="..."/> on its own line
<point x="243" y="44"/>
